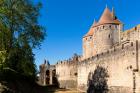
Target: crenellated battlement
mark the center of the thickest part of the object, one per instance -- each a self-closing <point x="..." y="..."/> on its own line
<point x="70" y="61"/>
<point x="110" y="48"/>
<point x="67" y="71"/>
<point x="125" y="46"/>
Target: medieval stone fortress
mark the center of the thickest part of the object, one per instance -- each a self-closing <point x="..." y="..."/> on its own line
<point x="110" y="60"/>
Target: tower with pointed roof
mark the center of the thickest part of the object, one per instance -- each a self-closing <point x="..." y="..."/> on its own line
<point x="102" y="35"/>
<point x="112" y="59"/>
<point x="88" y="42"/>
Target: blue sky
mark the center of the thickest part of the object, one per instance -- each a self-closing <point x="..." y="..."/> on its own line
<point x="66" y="21"/>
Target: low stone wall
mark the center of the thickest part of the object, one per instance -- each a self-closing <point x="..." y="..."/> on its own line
<point x="67" y="84"/>
<point x="112" y="89"/>
<point x="82" y="88"/>
<point x="120" y="89"/>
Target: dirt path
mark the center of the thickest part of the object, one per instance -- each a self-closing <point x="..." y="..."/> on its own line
<point x="54" y="89"/>
<point x="65" y="91"/>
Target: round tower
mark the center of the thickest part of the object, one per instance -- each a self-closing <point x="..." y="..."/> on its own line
<point x="103" y="34"/>
<point x="107" y="31"/>
<point x="88" y="49"/>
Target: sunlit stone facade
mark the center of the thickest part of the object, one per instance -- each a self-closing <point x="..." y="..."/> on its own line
<point x="108" y="47"/>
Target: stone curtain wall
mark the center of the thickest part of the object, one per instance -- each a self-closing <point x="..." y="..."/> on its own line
<point x="131" y="34"/>
<point x="66" y="72"/>
<point x="119" y="62"/>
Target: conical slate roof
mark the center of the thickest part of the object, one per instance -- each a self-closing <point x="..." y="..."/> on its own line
<point x="108" y="17"/>
<point x="90" y="32"/>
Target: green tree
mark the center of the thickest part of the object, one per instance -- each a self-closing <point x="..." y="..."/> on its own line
<point x="20" y="32"/>
<point x="97" y="82"/>
<point x="2" y="58"/>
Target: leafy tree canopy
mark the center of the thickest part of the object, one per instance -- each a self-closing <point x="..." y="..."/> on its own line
<point x="20" y="32"/>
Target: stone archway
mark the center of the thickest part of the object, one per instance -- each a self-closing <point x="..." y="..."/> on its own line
<point x="51" y="77"/>
<point x="47" y="76"/>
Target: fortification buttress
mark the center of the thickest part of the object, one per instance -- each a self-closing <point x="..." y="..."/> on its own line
<point x="102" y="35"/>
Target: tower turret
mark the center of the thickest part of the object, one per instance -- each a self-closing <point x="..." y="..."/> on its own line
<point x="107" y="31"/>
<point x="88" y="42"/>
<point x="102" y="35"/>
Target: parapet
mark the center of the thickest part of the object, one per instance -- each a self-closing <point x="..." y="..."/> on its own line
<point x="114" y="51"/>
<point x="71" y="61"/>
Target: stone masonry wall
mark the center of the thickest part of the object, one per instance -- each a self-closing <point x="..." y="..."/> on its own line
<point x="67" y="73"/>
<point x="119" y="61"/>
